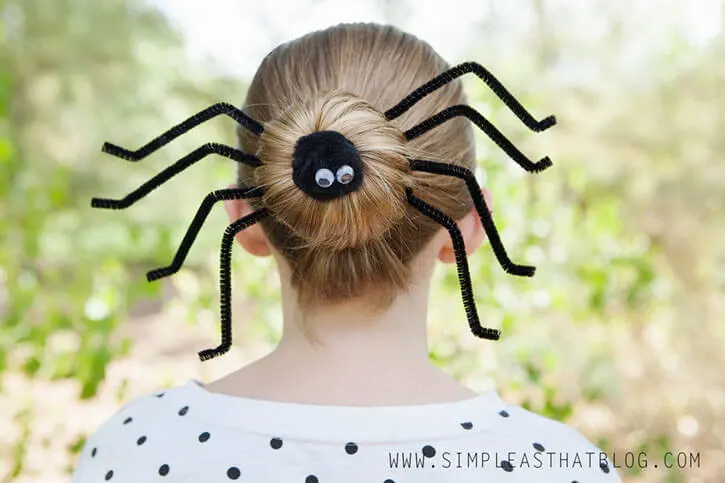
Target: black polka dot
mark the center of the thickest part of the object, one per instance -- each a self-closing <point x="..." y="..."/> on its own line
<point x="160" y="395"/>
<point x="388" y="481"/>
<point x="233" y="473"/>
<point x="183" y="410"/>
<point x="503" y="413"/>
<point x="204" y="437"/>
<point x="429" y="451"/>
<point x="275" y="443"/>
<point x="506" y="465"/>
<point x="311" y="479"/>
<point x="350" y="448"/>
<point x="128" y="420"/>
<point x="164" y="470"/>
<point x="93" y="452"/>
<point x="538" y="447"/>
<point x="141" y="440"/>
<point x="574" y="481"/>
<point x="109" y="475"/>
<point x="604" y="467"/>
<point x="467" y="425"/>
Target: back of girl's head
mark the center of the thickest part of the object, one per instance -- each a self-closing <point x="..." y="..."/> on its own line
<point x="343" y="79"/>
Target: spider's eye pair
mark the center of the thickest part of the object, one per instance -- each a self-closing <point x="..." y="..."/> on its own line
<point x="324" y="177"/>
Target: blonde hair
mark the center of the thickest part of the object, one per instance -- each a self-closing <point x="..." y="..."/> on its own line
<point x="343" y="79"/>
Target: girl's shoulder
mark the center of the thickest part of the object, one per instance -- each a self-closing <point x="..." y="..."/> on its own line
<point x="527" y="441"/>
<point x="114" y="450"/>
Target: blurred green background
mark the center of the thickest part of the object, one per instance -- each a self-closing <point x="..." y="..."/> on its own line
<point x="620" y="333"/>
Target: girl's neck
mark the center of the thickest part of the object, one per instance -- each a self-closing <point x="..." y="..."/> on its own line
<point x="350" y="358"/>
<point x="373" y="382"/>
<point x="348" y="355"/>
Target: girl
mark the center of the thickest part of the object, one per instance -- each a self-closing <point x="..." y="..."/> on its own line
<point x="349" y="394"/>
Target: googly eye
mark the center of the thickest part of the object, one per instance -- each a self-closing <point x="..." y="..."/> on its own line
<point x="345" y="174"/>
<point x="324" y="177"/>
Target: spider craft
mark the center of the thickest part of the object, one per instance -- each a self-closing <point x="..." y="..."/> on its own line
<point x="326" y="165"/>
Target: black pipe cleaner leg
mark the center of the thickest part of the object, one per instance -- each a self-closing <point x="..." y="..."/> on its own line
<point x="483" y="212"/>
<point x="221" y="108"/>
<point x="464" y="277"/>
<point x="196" y="224"/>
<point x="483" y="123"/>
<point x="173" y="170"/>
<point x="225" y="281"/>
<point x="486" y="76"/>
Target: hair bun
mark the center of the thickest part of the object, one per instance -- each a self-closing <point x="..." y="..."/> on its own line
<point x="334" y="170"/>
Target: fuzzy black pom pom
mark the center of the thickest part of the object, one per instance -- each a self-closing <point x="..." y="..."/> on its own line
<point x="326" y="165"/>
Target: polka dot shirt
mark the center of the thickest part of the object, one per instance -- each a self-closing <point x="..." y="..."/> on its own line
<point x="189" y="434"/>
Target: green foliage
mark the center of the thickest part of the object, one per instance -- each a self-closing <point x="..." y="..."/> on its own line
<point x="56" y="285"/>
<point x="65" y="265"/>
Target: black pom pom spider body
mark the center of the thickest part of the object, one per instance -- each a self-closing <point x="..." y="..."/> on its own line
<point x="327" y="165"/>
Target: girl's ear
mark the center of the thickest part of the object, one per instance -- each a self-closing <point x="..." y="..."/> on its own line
<point x="252" y="238"/>
<point x="472" y="231"/>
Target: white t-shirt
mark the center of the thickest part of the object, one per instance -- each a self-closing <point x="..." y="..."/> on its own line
<point x="189" y="434"/>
